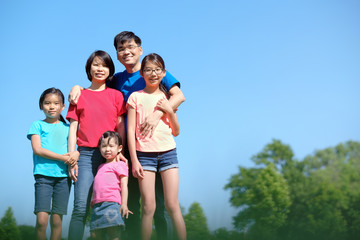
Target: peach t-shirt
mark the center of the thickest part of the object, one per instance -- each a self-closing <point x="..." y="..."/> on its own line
<point x="162" y="139"/>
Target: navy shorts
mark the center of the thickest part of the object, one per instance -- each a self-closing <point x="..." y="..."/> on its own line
<point x="158" y="161"/>
<point x="53" y="191"/>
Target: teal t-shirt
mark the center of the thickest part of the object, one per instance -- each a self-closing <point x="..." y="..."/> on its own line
<point x="54" y="137"/>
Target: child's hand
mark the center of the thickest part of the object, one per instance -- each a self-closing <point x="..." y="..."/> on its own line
<point x="125" y="211"/>
<point x="151" y="121"/>
<point x="137" y="170"/>
<point x="164" y="105"/>
<point x="72" y="158"/>
<point x="121" y="157"/>
<point x="73" y="172"/>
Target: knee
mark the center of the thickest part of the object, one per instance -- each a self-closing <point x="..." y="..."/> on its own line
<point x="172" y="206"/>
<point x="41" y="224"/>
<point x="56" y="222"/>
<point x="149" y="208"/>
<point x="80" y="208"/>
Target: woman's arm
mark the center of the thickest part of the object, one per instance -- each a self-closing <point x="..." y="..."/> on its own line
<point x="121" y="129"/>
<point x="74" y="94"/>
<point x="137" y="169"/>
<point x="73" y="170"/>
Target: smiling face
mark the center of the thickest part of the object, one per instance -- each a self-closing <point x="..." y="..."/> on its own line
<point x="98" y="70"/>
<point x="52" y="106"/>
<point x="109" y="148"/>
<point x="129" y="54"/>
<point x="153" y="74"/>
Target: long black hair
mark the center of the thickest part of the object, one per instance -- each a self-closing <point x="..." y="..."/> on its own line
<point x="52" y="91"/>
<point x="159" y="61"/>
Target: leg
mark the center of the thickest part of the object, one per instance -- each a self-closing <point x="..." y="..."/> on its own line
<point x="170" y="179"/>
<point x="43" y="192"/>
<point x="59" y="205"/>
<point x="56" y="226"/>
<point x="163" y="225"/>
<point x="42" y="219"/>
<point x="89" y="160"/>
<point x="97" y="234"/>
<point x="132" y="230"/>
<point x="147" y="189"/>
<point x="113" y="233"/>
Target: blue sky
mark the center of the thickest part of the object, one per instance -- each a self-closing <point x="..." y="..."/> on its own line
<point x="251" y="71"/>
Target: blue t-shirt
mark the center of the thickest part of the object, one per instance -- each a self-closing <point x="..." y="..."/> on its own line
<point x="127" y="83"/>
<point x="54" y="137"/>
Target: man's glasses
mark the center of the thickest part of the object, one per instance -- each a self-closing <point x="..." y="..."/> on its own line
<point x="129" y="48"/>
<point x="149" y="71"/>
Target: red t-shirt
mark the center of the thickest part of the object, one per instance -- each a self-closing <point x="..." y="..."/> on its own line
<point x="96" y="112"/>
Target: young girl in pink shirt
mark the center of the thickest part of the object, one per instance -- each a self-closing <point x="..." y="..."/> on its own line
<point x="110" y="191"/>
<point x="150" y="154"/>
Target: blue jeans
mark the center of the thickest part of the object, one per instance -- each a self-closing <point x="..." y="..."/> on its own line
<point x="89" y="161"/>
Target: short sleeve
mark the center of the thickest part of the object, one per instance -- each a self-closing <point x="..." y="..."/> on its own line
<point x="123" y="170"/>
<point x="169" y="81"/>
<point x="120" y="103"/>
<point x="71" y="114"/>
<point x="35" y="129"/>
<point x="131" y="101"/>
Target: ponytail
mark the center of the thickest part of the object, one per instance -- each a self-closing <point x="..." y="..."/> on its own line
<point x="62" y="119"/>
<point x="164" y="90"/>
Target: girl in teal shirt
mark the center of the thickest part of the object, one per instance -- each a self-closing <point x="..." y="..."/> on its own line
<point x="51" y="158"/>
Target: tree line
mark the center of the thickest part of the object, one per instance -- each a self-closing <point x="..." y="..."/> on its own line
<point x="280" y="198"/>
<point x="284" y="198"/>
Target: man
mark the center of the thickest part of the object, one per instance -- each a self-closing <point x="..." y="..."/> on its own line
<point x="129" y="51"/>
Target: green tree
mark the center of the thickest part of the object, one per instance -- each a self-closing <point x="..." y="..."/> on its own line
<point x="283" y="198"/>
<point x="27" y="232"/>
<point x="196" y="224"/>
<point x="275" y="152"/>
<point x="8" y="227"/>
<point x="224" y="234"/>
<point x="263" y="198"/>
<point x="325" y="199"/>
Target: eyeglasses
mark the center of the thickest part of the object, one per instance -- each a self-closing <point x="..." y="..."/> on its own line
<point x="149" y="71"/>
<point x="129" y="48"/>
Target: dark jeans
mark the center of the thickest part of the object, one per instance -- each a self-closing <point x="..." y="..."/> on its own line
<point x="89" y="161"/>
<point x="163" y="225"/>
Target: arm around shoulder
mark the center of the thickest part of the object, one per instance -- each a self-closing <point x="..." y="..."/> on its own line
<point x="176" y="97"/>
<point x="74" y="94"/>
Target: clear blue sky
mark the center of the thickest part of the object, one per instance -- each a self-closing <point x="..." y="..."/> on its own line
<point x="251" y="71"/>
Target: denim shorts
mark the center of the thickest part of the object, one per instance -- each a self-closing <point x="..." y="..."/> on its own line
<point x="104" y="215"/>
<point x="53" y="191"/>
<point x="158" y="161"/>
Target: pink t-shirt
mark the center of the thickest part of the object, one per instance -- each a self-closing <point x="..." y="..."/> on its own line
<point x="162" y="139"/>
<point x="96" y="112"/>
<point x="107" y="186"/>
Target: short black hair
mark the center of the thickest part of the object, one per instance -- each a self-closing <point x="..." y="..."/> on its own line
<point x="111" y="135"/>
<point x="126" y="36"/>
<point x="107" y="60"/>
